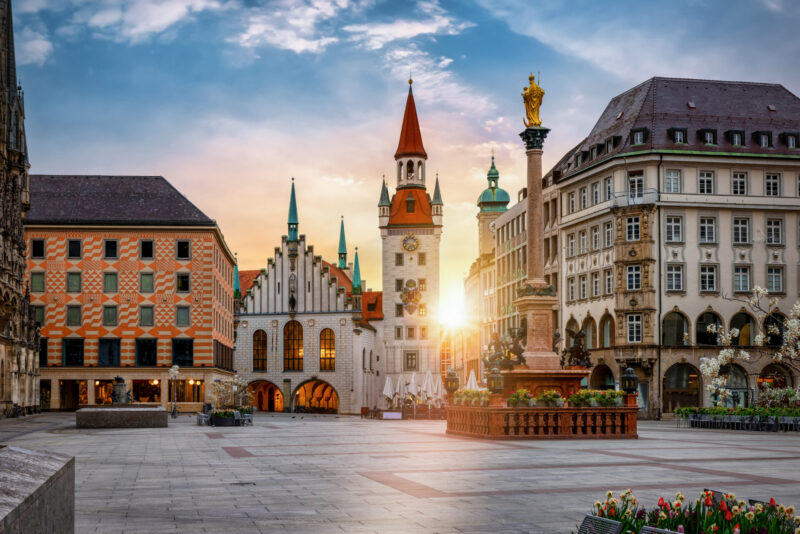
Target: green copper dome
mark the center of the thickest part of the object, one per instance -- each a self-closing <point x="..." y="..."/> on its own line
<point x="493" y="198"/>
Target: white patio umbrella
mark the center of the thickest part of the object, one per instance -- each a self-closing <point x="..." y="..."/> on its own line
<point x="400" y="389"/>
<point x="427" y="390"/>
<point x="413" y="388"/>
<point x="388" y="390"/>
<point x="472" y="383"/>
<point x="439" y="387"/>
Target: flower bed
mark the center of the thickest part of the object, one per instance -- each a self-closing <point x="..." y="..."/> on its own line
<point x="710" y="513"/>
<point x="471" y="397"/>
<point x="594" y="397"/>
<point x="755" y="418"/>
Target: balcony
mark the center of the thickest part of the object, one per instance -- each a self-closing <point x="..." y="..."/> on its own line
<point x="630" y="198"/>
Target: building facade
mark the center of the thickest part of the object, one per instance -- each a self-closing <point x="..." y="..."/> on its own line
<point x="128" y="278"/>
<point x="304" y="338"/>
<point x="683" y="197"/>
<point x="410" y="223"/>
<point x="19" y="337"/>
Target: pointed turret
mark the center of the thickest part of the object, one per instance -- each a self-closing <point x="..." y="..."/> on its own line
<point x="384" y="201"/>
<point x="293" y="221"/>
<point x="342" y="247"/>
<point x="410" y="144"/>
<point x="493" y="198"/>
<point x="437" y="195"/>
<point x="356" y="275"/>
<point x="237" y="288"/>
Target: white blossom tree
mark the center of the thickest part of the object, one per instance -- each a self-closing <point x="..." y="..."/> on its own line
<point x="761" y="307"/>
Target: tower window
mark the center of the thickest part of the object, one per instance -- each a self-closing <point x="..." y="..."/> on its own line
<point x="410" y="170"/>
<point x="410" y="204"/>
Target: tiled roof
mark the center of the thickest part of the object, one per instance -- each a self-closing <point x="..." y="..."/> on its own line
<point x="342" y="280"/>
<point x="659" y="106"/>
<point x="372" y="299"/>
<point x="246" y="279"/>
<point x="399" y="215"/>
<point x="410" y="137"/>
<point x="112" y="200"/>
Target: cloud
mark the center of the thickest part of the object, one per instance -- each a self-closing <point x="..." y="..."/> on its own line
<point x="375" y="36"/>
<point x="291" y="25"/>
<point x="441" y="84"/>
<point x="32" y="47"/>
<point x="130" y="21"/>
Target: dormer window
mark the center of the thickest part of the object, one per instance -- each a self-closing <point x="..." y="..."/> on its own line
<point x="593" y="153"/>
<point x="791" y="141"/>
<point x="578" y="159"/>
<point x="709" y="137"/>
<point x="638" y="136"/>
<point x="735" y="137"/>
<point x="410" y="204"/>
<point x="764" y="139"/>
<point x="678" y="135"/>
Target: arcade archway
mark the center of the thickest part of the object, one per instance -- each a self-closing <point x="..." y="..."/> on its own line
<point x="681" y="387"/>
<point x="266" y="396"/>
<point x="316" y="396"/>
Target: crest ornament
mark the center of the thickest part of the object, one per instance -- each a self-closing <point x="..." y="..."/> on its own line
<point x="411" y="296"/>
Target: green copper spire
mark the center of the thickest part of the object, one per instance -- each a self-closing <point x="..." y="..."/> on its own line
<point x="493" y="198"/>
<point x="356" y="276"/>
<point x="437" y="195"/>
<point x="237" y="288"/>
<point x="342" y="247"/>
<point x="384" y="196"/>
<point x="293" y="221"/>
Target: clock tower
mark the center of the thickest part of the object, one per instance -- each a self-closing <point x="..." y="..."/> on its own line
<point x="411" y="229"/>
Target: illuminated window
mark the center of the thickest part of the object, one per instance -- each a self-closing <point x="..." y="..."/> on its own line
<point x="327" y="350"/>
<point x="259" y="351"/>
<point x="293" y="346"/>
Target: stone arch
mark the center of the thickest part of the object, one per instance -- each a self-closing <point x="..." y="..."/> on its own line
<point x="772" y="322"/>
<point x="673" y="327"/>
<point x="701" y="334"/>
<point x="746" y="325"/>
<point x="266" y="396"/>
<point x="315" y="396"/>
<point x="606" y="332"/>
<point x="602" y="377"/>
<point x="590" y="328"/>
<point x="681" y="386"/>
<point x="737" y="384"/>
<point x="775" y="375"/>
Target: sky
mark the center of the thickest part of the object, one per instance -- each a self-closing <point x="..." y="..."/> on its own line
<point x="230" y="99"/>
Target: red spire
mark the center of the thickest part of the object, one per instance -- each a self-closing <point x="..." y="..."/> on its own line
<point x="410" y="137"/>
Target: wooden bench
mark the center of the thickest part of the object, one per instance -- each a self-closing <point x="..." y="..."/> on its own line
<point x="599" y="525"/>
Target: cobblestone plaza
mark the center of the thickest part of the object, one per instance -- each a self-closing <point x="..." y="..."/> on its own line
<point x="308" y="474"/>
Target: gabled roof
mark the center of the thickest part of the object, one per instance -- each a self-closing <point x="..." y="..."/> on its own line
<point x="658" y="106"/>
<point x="410" y="137"/>
<point x="399" y="215"/>
<point x="110" y="200"/>
<point x="246" y="279"/>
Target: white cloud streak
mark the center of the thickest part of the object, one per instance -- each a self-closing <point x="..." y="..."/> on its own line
<point x="32" y="47"/>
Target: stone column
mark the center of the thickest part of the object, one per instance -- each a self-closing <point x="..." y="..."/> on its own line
<point x="55" y="393"/>
<point x="90" y="391"/>
<point x="535" y="300"/>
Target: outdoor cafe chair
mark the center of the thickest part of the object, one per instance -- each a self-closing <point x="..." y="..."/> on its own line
<point x="599" y="525"/>
<point x="237" y="418"/>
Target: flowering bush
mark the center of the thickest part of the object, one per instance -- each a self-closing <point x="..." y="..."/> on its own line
<point x="467" y="396"/>
<point x="709" y="514"/>
<point x="593" y="397"/>
<point x="770" y="397"/>
<point x="520" y="397"/>
<point x="550" y="398"/>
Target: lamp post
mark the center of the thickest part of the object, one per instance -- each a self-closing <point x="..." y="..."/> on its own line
<point x="173" y="376"/>
<point x="495" y="382"/>
<point x="451" y="383"/>
<point x="629" y="383"/>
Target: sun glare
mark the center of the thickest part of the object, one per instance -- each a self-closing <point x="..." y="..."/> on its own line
<point x="451" y="313"/>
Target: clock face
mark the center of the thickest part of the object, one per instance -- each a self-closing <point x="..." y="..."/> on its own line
<point x="410" y="243"/>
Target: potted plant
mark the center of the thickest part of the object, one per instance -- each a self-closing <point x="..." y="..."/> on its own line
<point x="550" y="398"/>
<point x="222" y="418"/>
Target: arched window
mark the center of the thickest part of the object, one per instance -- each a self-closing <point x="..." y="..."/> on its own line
<point x="673" y="327"/>
<point x="259" y="351"/>
<point x="327" y="350"/>
<point x="293" y="346"/>
<point x="363" y="359"/>
<point x="744" y="324"/>
<point x="736" y="384"/>
<point x="776" y="376"/>
<point x="590" y="329"/>
<point x="702" y="335"/>
<point x="410" y="171"/>
<point x="399" y="170"/>
<point x="773" y="329"/>
<point x="606" y="331"/>
<point x="681" y="387"/>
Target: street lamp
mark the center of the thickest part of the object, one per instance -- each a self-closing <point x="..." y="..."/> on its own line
<point x="629" y="381"/>
<point x="451" y="382"/>
<point x="173" y="375"/>
<point x="495" y="381"/>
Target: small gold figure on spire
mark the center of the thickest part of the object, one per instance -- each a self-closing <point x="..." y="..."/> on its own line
<point x="532" y="97"/>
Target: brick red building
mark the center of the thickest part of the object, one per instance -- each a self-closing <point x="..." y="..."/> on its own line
<point x="127" y="278"/>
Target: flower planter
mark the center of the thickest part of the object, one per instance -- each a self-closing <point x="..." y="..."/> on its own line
<point x="222" y="421"/>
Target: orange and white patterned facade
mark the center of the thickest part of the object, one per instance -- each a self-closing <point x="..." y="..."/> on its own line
<point x="130" y="301"/>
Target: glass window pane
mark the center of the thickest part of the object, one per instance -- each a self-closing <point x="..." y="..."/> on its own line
<point x="110" y="282"/>
<point x="146" y="283"/>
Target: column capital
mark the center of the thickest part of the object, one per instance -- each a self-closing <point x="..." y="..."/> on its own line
<point x="534" y="137"/>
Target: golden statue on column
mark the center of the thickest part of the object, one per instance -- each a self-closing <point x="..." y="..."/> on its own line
<point x="532" y="96"/>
